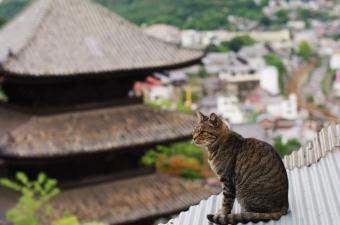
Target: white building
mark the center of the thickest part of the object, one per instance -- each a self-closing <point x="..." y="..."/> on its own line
<point x="335" y="61"/>
<point x="296" y="24"/>
<point x="164" y="32"/>
<point x="269" y="79"/>
<point x="160" y="92"/>
<point x="280" y="108"/>
<point x="190" y="38"/>
<point x="289" y="109"/>
<point x="227" y="108"/>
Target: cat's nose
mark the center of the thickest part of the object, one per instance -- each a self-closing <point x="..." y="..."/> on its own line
<point x="195" y="137"/>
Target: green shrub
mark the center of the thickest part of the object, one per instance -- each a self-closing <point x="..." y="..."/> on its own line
<point x="288" y="148"/>
<point x="34" y="195"/>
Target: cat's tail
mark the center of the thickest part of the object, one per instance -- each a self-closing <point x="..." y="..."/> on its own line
<point x="243" y="217"/>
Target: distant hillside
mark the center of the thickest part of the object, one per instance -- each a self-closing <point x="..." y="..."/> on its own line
<point x="186" y="14"/>
<point x="8" y="8"/>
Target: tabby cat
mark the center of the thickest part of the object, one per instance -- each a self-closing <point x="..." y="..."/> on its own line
<point x="249" y="170"/>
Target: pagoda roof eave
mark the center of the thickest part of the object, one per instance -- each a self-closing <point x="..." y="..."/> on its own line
<point x="31" y="78"/>
<point x="95" y="131"/>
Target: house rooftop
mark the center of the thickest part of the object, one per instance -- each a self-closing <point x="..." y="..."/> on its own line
<point x="50" y="38"/>
<point x="92" y="131"/>
<point x="251" y="130"/>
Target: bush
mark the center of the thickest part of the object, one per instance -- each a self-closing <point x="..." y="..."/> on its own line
<point x="305" y="50"/>
<point x="34" y="195"/>
<point x="179" y="159"/>
<point x="310" y="98"/>
<point x="167" y="104"/>
<point x="288" y="148"/>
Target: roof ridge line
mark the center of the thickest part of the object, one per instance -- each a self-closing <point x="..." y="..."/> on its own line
<point x="13" y="135"/>
<point x="40" y="20"/>
<point x="30" y="33"/>
<point x="323" y="142"/>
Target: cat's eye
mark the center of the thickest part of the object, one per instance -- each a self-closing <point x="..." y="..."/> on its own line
<point x="203" y="132"/>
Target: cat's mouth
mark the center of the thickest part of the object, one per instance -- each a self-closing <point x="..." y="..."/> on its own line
<point x="203" y="144"/>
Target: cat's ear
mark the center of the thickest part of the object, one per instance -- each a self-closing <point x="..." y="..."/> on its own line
<point x="214" y="120"/>
<point x="200" y="115"/>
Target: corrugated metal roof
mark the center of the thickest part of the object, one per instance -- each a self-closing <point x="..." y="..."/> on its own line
<point x="314" y="195"/>
<point x="325" y="141"/>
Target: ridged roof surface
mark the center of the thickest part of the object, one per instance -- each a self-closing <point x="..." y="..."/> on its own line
<point x="63" y="37"/>
<point x="325" y="141"/>
<point x="95" y="130"/>
<point x="132" y="199"/>
<point x="314" y="182"/>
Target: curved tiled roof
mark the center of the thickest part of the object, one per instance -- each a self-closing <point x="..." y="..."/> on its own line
<point x="62" y="37"/>
<point x="131" y="200"/>
<point x="94" y="131"/>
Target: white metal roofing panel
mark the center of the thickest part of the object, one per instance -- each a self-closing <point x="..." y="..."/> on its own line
<point x="325" y="141"/>
<point x="314" y="198"/>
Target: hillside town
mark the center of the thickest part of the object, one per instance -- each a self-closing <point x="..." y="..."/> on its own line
<point x="244" y="88"/>
<point x="98" y="99"/>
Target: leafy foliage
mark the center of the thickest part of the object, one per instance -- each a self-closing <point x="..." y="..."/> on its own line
<point x="287" y="148"/>
<point x="34" y="196"/>
<point x="72" y="220"/>
<point x="167" y="104"/>
<point x="178" y="159"/>
<point x="9" y="8"/>
<point x="310" y="99"/>
<point x="31" y="208"/>
<point x="186" y="14"/>
<point x="305" y="50"/>
<point x="2" y="21"/>
<point x="235" y="44"/>
<point x="3" y="96"/>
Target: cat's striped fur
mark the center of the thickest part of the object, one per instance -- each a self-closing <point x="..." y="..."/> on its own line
<point x="249" y="169"/>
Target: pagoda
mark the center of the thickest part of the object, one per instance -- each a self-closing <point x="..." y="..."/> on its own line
<point x="68" y="69"/>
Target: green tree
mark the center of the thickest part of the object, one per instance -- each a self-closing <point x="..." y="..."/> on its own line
<point x="236" y="43"/>
<point x="305" y="50"/>
<point x="287" y="148"/>
<point x="265" y="21"/>
<point x="3" y="96"/>
<point x="282" y="16"/>
<point x="2" y="21"/>
<point x="178" y="159"/>
<point x="9" y="8"/>
<point x="186" y="14"/>
<point x="34" y="195"/>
